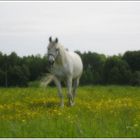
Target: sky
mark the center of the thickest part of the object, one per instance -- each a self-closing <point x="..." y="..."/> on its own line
<point x="110" y="28"/>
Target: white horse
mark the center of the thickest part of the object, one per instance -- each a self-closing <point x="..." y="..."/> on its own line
<point x="64" y="66"/>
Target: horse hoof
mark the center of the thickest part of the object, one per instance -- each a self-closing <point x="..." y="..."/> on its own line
<point x="72" y="104"/>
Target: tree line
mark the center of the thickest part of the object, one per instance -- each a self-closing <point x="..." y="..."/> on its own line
<point x="98" y="69"/>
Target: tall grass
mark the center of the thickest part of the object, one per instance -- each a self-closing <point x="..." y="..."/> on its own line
<point x="100" y="111"/>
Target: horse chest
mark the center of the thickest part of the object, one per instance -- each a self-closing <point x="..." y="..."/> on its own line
<point x="59" y="71"/>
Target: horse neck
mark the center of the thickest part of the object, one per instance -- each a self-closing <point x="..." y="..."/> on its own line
<point x="62" y="57"/>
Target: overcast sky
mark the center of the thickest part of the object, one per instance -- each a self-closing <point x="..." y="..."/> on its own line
<point x="102" y="27"/>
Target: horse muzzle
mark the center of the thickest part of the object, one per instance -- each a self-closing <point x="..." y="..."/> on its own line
<point x="51" y="63"/>
<point x="51" y="60"/>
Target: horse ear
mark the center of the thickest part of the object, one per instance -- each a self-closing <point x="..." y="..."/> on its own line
<point x="56" y="40"/>
<point x="50" y="39"/>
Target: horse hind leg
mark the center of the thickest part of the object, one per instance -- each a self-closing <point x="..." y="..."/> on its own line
<point x="75" y="85"/>
<point x="69" y="94"/>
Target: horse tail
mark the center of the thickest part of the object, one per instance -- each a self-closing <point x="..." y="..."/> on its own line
<point x="46" y="80"/>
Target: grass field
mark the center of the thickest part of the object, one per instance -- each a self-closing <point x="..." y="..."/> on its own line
<point x="111" y="111"/>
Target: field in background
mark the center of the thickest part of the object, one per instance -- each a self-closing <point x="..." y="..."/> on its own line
<point x="100" y="111"/>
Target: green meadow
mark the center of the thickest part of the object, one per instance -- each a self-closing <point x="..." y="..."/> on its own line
<point x="100" y="111"/>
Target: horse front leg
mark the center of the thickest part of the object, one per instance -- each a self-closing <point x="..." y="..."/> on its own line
<point x="69" y="94"/>
<point x="59" y="88"/>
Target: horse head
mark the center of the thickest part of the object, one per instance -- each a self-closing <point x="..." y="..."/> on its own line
<point x="53" y="50"/>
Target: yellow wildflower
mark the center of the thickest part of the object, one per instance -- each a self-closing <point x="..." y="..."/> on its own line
<point x="23" y="120"/>
<point x="136" y="125"/>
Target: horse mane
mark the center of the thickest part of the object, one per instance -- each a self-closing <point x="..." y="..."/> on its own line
<point x="62" y="54"/>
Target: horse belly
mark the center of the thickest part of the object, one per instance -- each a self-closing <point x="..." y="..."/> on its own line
<point x="77" y="71"/>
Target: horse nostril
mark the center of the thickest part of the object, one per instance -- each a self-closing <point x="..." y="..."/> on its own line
<point x="51" y="62"/>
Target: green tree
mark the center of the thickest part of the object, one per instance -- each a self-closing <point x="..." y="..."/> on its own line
<point x="135" y="80"/>
<point x="116" y="71"/>
<point x="133" y="59"/>
<point x="93" y="67"/>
